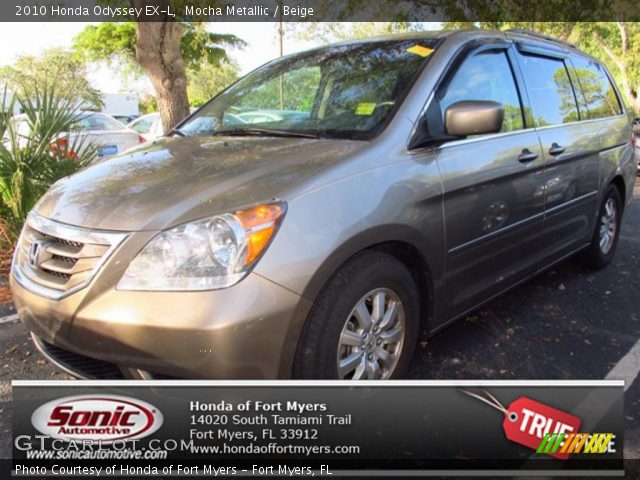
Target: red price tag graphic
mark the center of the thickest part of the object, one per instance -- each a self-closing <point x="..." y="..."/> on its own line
<point x="527" y="421"/>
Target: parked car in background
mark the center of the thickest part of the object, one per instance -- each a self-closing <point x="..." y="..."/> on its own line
<point x="423" y="176"/>
<point x="100" y="129"/>
<point x="109" y="135"/>
<point x="125" y="119"/>
<point x="147" y="126"/>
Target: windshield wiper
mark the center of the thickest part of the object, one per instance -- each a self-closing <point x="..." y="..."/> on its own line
<point x="176" y="131"/>
<point x="267" y="132"/>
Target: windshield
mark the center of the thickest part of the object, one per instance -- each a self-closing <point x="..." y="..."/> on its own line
<point x="344" y="91"/>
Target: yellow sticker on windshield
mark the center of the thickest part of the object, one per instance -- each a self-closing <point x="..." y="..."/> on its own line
<point x="365" y="108"/>
<point x="420" y="50"/>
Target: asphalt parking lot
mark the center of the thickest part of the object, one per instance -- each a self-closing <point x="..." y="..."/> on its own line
<point x="569" y="323"/>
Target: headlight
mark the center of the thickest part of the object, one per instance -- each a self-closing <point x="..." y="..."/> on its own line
<point x="204" y="255"/>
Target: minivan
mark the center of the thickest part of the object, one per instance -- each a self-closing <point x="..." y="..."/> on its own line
<point x="407" y="181"/>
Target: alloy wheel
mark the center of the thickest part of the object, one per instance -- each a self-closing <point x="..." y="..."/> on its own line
<point x="608" y="226"/>
<point x="371" y="340"/>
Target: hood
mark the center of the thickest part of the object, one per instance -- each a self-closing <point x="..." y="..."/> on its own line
<point x="179" y="179"/>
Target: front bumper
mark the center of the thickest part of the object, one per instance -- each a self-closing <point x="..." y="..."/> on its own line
<point x="247" y="331"/>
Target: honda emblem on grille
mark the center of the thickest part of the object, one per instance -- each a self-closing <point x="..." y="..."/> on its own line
<point x="34" y="254"/>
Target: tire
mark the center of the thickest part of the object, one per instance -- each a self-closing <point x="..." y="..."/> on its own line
<point x="607" y="232"/>
<point x="335" y="332"/>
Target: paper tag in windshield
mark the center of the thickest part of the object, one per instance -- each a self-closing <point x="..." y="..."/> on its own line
<point x="420" y="50"/>
<point x="365" y="108"/>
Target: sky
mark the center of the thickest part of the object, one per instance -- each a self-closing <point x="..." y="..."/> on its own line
<point x="31" y="38"/>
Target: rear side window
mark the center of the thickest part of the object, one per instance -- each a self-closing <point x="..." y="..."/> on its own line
<point x="486" y="76"/>
<point x="597" y="89"/>
<point x="550" y="90"/>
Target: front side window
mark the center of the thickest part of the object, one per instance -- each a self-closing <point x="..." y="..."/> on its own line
<point x="550" y="90"/>
<point x="344" y="91"/>
<point x="486" y="76"/>
<point x="597" y="90"/>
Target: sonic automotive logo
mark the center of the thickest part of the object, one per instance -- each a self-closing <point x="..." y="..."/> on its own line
<point x="104" y="418"/>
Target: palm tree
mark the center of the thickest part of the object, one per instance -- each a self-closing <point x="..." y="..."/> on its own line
<point x="29" y="162"/>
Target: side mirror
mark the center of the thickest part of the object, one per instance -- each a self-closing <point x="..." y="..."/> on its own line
<point x="473" y="117"/>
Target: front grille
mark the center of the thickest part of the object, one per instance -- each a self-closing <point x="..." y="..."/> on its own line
<point x="55" y="259"/>
<point x="79" y="365"/>
<point x="62" y="241"/>
<point x="86" y="367"/>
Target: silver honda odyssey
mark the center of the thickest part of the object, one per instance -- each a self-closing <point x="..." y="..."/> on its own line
<point x="319" y="214"/>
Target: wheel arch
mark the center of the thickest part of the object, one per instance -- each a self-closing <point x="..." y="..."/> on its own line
<point x="618" y="182"/>
<point x="416" y="252"/>
<point x="419" y="253"/>
<point x="420" y="270"/>
<point x="403" y="250"/>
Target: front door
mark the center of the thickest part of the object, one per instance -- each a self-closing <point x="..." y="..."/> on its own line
<point x="493" y="188"/>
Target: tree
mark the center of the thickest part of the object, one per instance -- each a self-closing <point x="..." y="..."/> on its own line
<point x="617" y="44"/>
<point x="29" y="72"/>
<point x="163" y="50"/>
<point x="328" y="32"/>
<point x="159" y="54"/>
<point x="209" y="80"/>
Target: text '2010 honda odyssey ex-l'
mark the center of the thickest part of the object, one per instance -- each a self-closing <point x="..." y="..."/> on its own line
<point x="315" y="217"/>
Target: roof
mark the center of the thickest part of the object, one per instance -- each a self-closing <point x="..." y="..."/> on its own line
<point x="470" y="34"/>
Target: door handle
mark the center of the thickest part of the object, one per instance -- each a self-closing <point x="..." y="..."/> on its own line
<point x="527" y="156"/>
<point x="556" y="149"/>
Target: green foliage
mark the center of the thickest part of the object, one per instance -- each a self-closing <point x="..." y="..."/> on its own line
<point x="567" y="98"/>
<point x="111" y="43"/>
<point x="617" y="44"/>
<point x="115" y="44"/>
<point x="512" y="118"/>
<point x="329" y="32"/>
<point x="295" y="90"/>
<point x="147" y="104"/>
<point x="197" y="43"/>
<point x="28" y="72"/>
<point x="209" y="80"/>
<point x="28" y="163"/>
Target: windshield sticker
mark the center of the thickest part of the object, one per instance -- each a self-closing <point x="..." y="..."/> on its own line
<point x="420" y="50"/>
<point x="365" y="108"/>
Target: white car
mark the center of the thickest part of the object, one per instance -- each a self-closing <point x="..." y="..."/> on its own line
<point x="106" y="133"/>
<point x="147" y="126"/>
